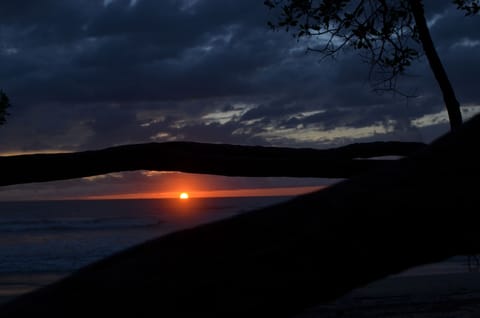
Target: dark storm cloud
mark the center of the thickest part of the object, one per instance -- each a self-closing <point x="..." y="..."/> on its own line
<point x="84" y="71"/>
<point x="93" y="74"/>
<point x="105" y="53"/>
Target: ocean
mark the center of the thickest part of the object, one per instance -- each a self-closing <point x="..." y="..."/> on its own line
<point x="43" y="241"/>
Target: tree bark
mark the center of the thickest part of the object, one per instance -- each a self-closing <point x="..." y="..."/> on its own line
<point x="451" y="102"/>
<point x="279" y="260"/>
<point x="219" y="159"/>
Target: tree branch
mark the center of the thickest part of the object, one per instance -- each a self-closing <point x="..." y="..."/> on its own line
<point x="219" y="159"/>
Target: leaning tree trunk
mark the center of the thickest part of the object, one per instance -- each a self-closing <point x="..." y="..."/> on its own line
<point x="451" y="102"/>
<point x="279" y="260"/>
<point x="217" y="159"/>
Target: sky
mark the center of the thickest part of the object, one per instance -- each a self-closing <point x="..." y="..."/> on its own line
<point x="84" y="75"/>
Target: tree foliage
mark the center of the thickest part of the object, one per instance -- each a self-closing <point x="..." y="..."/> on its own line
<point x="390" y="34"/>
<point x="471" y="7"/>
<point x="4" y="104"/>
<point x="385" y="30"/>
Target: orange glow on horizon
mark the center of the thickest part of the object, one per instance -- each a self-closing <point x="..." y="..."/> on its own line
<point x="254" y="192"/>
<point x="184" y="196"/>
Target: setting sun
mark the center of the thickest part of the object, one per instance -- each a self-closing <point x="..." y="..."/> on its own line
<point x="184" y="195"/>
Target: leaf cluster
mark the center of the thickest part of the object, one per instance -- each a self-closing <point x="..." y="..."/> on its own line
<point x="383" y="30"/>
<point x="471" y="7"/>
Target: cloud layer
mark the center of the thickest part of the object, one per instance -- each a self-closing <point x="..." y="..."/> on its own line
<point x="91" y="74"/>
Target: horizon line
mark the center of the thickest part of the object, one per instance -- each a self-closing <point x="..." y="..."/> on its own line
<point x="231" y="193"/>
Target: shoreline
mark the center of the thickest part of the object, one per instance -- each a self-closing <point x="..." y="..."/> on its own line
<point x="17" y="284"/>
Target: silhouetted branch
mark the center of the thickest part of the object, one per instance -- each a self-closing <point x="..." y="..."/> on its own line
<point x="219" y="159"/>
<point x="279" y="260"/>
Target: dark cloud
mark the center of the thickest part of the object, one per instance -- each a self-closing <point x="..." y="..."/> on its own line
<point x="88" y="74"/>
<point x="92" y="74"/>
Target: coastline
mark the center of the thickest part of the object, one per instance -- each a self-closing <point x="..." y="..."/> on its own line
<point x="17" y="284"/>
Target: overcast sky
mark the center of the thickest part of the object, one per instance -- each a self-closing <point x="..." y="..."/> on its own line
<point x="92" y="74"/>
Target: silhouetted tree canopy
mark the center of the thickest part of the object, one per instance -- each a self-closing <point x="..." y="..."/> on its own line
<point x="4" y="104"/>
<point x="470" y="7"/>
<point x="389" y="33"/>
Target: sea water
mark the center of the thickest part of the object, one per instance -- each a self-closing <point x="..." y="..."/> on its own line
<point x="43" y="241"/>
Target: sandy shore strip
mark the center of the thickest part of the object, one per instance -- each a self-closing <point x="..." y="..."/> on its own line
<point x="447" y="295"/>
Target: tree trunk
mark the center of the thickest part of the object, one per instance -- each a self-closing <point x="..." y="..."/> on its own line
<point x="219" y="159"/>
<point x="451" y="102"/>
<point x="279" y="260"/>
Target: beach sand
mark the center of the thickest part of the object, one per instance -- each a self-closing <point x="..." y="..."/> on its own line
<point x="420" y="296"/>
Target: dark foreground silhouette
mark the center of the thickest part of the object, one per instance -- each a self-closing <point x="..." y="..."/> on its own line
<point x="279" y="260"/>
<point x="218" y="159"/>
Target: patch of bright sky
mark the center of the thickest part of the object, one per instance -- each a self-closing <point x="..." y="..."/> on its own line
<point x="223" y="117"/>
<point x="304" y="115"/>
<point x="179" y="124"/>
<point x="252" y="121"/>
<point x="165" y="136"/>
<point x="114" y="175"/>
<point x="214" y="41"/>
<point x="6" y="48"/>
<point x="433" y="20"/>
<point x="32" y="152"/>
<point x="151" y="173"/>
<point x="9" y="51"/>
<point x="152" y="122"/>
<point x="150" y="117"/>
<point x="238" y="110"/>
<point x="316" y="134"/>
<point x="315" y="42"/>
<point x="466" y="42"/>
<point x="313" y="133"/>
<point x="188" y="5"/>
<point x="442" y="116"/>
<point x="107" y="2"/>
